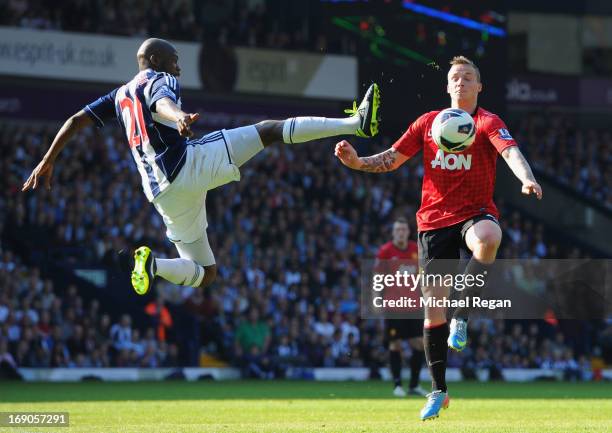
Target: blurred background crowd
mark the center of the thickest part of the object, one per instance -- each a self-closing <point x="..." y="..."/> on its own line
<point x="288" y="240"/>
<point x="255" y="23"/>
<point x="578" y="158"/>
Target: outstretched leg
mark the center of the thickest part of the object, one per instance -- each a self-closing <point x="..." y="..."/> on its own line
<point x="196" y="266"/>
<point x="302" y="129"/>
<point x="250" y="140"/>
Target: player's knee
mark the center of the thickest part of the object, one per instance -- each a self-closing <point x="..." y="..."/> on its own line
<point x="490" y="239"/>
<point x="270" y="131"/>
<point x="210" y="274"/>
<point x="485" y="241"/>
<point x="485" y="246"/>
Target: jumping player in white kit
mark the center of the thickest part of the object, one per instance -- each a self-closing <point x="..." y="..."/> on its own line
<point x="177" y="170"/>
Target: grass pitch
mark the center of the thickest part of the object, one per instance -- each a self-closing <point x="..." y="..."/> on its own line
<point x="290" y="406"/>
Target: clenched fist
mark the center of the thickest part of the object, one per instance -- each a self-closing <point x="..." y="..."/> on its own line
<point x="347" y="154"/>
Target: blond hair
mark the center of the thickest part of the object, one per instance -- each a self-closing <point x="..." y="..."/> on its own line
<point x="462" y="60"/>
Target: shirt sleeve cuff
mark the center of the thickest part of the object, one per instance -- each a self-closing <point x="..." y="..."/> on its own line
<point x="99" y="123"/>
<point x="397" y="149"/>
<point x="160" y="95"/>
<point x="508" y="145"/>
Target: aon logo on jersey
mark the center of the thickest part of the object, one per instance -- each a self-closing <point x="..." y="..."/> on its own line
<point x="451" y="161"/>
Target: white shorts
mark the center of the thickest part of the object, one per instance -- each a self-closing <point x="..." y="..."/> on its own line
<point x="211" y="161"/>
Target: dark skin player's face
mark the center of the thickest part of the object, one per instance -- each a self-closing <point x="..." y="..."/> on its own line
<point x="173" y="67"/>
<point x="169" y="64"/>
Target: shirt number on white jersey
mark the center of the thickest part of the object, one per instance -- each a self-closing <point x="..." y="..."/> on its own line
<point x="135" y="129"/>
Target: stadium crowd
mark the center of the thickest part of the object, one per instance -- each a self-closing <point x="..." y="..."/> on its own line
<point x="580" y="159"/>
<point x="288" y="240"/>
<point x="43" y="326"/>
<point x="256" y="23"/>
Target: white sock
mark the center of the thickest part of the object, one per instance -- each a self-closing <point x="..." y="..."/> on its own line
<point x="301" y="129"/>
<point x="183" y="272"/>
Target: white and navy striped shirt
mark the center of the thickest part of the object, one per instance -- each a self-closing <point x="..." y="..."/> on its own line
<point x="158" y="149"/>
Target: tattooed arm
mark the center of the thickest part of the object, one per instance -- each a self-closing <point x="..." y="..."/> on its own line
<point x="520" y="167"/>
<point x="388" y="160"/>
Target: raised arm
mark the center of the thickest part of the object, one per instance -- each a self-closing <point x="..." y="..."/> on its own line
<point x="520" y="167"/>
<point x="167" y="109"/>
<point x="44" y="169"/>
<point x="388" y="160"/>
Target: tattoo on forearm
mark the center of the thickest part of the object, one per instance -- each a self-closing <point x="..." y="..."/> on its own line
<point x="379" y="163"/>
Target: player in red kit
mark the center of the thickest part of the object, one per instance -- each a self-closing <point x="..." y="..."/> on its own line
<point x="401" y="254"/>
<point x="457" y="212"/>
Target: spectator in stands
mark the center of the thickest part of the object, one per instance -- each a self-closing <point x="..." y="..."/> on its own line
<point x="339" y="350"/>
<point x="252" y="343"/>
<point x="121" y="333"/>
<point x="160" y="316"/>
<point x="323" y="326"/>
<point x="8" y="365"/>
<point x="284" y="25"/>
<point x="252" y="333"/>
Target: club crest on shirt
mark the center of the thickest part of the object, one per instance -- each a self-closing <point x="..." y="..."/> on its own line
<point x="504" y="134"/>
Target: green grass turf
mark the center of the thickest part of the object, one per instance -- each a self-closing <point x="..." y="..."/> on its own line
<point x="293" y="406"/>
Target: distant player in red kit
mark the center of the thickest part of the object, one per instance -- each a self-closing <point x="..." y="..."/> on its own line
<point x="401" y="254"/>
<point x="457" y="210"/>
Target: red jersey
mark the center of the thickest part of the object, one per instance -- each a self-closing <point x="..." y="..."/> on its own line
<point x="456" y="186"/>
<point x="390" y="252"/>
